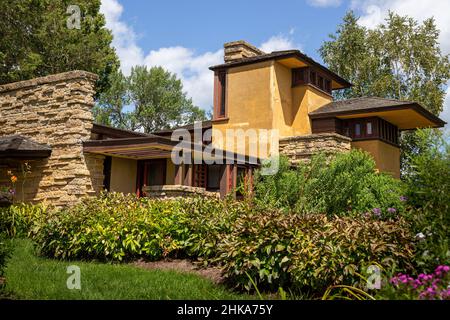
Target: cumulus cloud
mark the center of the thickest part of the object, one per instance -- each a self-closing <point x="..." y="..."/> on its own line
<point x="373" y="12"/>
<point x="190" y="66"/>
<point x="278" y="43"/>
<point x="325" y="3"/>
<point x="125" y="39"/>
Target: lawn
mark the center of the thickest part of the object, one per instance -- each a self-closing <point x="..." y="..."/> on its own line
<point x="32" y="277"/>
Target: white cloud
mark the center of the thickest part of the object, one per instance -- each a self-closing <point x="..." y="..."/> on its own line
<point x="373" y="12"/>
<point x="124" y="40"/>
<point x="191" y="67"/>
<point x="279" y="43"/>
<point x="325" y="3"/>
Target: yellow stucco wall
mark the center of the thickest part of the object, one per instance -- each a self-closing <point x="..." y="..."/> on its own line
<point x="248" y="102"/>
<point x="260" y="96"/>
<point x="305" y="100"/>
<point x="123" y="175"/>
<point x="387" y="157"/>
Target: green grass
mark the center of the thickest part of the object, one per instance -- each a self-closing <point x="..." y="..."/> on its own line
<point x="32" y="277"/>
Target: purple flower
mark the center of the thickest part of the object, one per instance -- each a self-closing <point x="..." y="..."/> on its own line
<point x="12" y="191"/>
<point x="376" y="211"/>
<point x="403" y="199"/>
<point x="391" y="210"/>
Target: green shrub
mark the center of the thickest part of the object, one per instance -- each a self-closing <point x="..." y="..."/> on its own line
<point x="310" y="252"/>
<point x="258" y="246"/>
<point x="5" y="252"/>
<point x="122" y="227"/>
<point x="332" y="251"/>
<point x="344" y="184"/>
<point x="428" y="191"/>
<point x="18" y="220"/>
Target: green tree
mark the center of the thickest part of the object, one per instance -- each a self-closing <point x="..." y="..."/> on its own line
<point x="400" y="59"/>
<point x="156" y="97"/>
<point x="36" y="40"/>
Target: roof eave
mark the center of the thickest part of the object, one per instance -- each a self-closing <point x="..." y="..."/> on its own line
<point x="439" y="123"/>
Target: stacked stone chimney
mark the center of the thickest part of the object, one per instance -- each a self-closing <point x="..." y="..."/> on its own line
<point x="237" y="50"/>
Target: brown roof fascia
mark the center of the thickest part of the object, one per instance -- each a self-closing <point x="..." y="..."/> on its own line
<point x="415" y="106"/>
<point x="289" y="54"/>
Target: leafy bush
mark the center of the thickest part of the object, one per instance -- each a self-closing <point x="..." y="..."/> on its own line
<point x="122" y="227"/>
<point x="5" y="252"/>
<point x="18" y="220"/>
<point x="428" y="191"/>
<point x="333" y="251"/>
<point x="345" y="184"/>
<point x="309" y="251"/>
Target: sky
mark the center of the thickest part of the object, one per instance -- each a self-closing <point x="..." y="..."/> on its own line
<point x="187" y="37"/>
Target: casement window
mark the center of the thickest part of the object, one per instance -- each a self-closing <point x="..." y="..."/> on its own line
<point x="220" y="111"/>
<point x="213" y="177"/>
<point x="371" y="128"/>
<point x="308" y="75"/>
<point x="357" y="129"/>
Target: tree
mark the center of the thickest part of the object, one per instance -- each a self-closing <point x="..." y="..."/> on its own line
<point x="400" y="59"/>
<point x="156" y="97"/>
<point x="36" y="40"/>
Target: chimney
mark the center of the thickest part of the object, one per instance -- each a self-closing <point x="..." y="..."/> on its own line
<point x="240" y="49"/>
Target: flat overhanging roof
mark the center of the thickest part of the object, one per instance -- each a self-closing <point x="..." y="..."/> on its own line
<point x="154" y="147"/>
<point x="406" y="115"/>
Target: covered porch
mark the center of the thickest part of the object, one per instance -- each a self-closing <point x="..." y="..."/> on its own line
<point x="143" y="165"/>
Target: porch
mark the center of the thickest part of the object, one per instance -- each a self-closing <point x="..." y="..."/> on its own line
<point x="143" y="165"/>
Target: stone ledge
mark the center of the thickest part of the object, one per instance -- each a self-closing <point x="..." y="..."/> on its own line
<point x="315" y="137"/>
<point x="172" y="191"/>
<point x="65" y="76"/>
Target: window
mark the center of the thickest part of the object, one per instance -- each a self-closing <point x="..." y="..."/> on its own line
<point x="213" y="177"/>
<point x="299" y="76"/>
<point x="357" y="130"/>
<point x="321" y="83"/>
<point x="369" y="129"/>
<point x="220" y="95"/>
<point x="328" y="86"/>
<point x="313" y="78"/>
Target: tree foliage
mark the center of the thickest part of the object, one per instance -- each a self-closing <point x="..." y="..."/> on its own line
<point x="400" y="59"/>
<point x="157" y="99"/>
<point x="36" y="40"/>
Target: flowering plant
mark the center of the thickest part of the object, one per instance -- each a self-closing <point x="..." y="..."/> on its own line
<point x="434" y="286"/>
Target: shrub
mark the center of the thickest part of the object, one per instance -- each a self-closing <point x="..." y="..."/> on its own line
<point x="258" y="246"/>
<point x="19" y="220"/>
<point x="122" y="227"/>
<point x="331" y="251"/>
<point x="5" y="252"/>
<point x="309" y="251"/>
<point x="344" y="184"/>
<point x="428" y="191"/>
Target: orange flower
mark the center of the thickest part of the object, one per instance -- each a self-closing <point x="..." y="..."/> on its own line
<point x="13" y="179"/>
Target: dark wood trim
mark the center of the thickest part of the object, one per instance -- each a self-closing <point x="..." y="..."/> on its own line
<point x="111" y="132"/>
<point x="416" y="107"/>
<point x="25" y="154"/>
<point x="297" y="54"/>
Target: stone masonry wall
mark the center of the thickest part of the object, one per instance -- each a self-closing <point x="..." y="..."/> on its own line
<point x="301" y="148"/>
<point x="55" y="110"/>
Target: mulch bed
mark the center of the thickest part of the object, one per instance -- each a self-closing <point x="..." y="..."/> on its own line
<point x="186" y="266"/>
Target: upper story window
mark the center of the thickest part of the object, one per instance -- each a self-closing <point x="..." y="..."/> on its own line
<point x="371" y="128"/>
<point x="308" y="75"/>
<point x="220" y="93"/>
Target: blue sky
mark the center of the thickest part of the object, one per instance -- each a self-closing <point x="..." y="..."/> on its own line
<point x="186" y="37"/>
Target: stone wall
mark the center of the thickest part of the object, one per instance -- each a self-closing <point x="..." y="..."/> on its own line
<point x="240" y="49"/>
<point x="175" y="191"/>
<point x="55" y="110"/>
<point x="301" y="148"/>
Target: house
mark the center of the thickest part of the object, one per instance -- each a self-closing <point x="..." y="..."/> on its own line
<point x="264" y="103"/>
